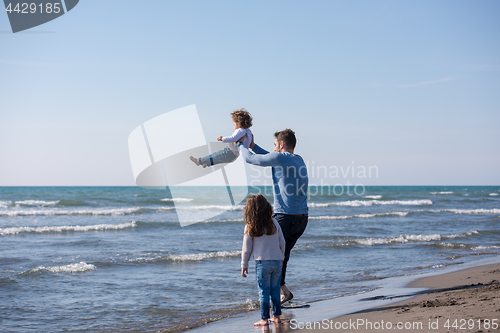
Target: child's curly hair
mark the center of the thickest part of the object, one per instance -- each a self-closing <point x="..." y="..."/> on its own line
<point x="242" y="117"/>
<point x="257" y="215"/>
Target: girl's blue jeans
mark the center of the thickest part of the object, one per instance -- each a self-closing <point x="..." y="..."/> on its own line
<point x="225" y="155"/>
<point x="268" y="274"/>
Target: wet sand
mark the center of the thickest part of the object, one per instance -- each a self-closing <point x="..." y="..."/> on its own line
<point x="466" y="300"/>
<point x="462" y="301"/>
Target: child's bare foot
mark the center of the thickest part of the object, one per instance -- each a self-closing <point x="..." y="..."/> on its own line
<point x="195" y="160"/>
<point x="276" y="320"/>
<point x="262" y="322"/>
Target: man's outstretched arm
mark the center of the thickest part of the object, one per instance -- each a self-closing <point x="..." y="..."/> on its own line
<point x="258" y="150"/>
<point x="261" y="159"/>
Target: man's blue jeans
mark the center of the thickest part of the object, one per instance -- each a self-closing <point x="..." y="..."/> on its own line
<point x="225" y="155"/>
<point x="268" y="274"/>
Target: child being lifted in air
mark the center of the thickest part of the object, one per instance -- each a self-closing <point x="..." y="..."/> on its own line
<point x="242" y="122"/>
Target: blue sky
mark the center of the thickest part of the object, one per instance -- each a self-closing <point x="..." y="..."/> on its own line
<point x="408" y="87"/>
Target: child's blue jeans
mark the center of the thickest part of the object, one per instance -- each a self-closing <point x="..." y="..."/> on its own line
<point x="225" y="155"/>
<point x="268" y="274"/>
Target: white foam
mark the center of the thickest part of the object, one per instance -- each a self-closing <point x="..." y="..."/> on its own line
<point x="5" y="204"/>
<point x="38" y="203"/>
<point x="206" y="207"/>
<point x="373" y="197"/>
<point x="364" y="216"/>
<point x="71" y="268"/>
<point x="397" y="239"/>
<point x="410" y="238"/>
<point x="441" y="193"/>
<point x="358" y="203"/>
<point x="480" y="248"/>
<point x="177" y="199"/>
<point x="226" y="220"/>
<point x="464" y="234"/>
<point x="213" y="220"/>
<point x="423" y="238"/>
<point x="97" y="227"/>
<point x="454" y="245"/>
<point x="380" y="241"/>
<point x="191" y="256"/>
<point x="251" y="305"/>
<point x="201" y="256"/>
<point x="49" y="212"/>
<point x="468" y="211"/>
<point x="493" y="194"/>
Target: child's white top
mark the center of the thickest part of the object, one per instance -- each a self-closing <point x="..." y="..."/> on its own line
<point x="265" y="247"/>
<point x="236" y="136"/>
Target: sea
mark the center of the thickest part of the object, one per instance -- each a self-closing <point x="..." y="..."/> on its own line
<point x="116" y="259"/>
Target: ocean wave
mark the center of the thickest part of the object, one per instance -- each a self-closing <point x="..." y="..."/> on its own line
<point x="408" y="238"/>
<point x="72" y="203"/>
<point x="439" y="265"/>
<point x="441" y="192"/>
<point x="38" y="203"/>
<point x="42" y="203"/>
<point x="207" y="221"/>
<point x="71" y="268"/>
<point x="373" y="197"/>
<point x="358" y="203"/>
<point x="363" y="216"/>
<point x="444" y="245"/>
<point x="226" y="220"/>
<point x="201" y="256"/>
<point x="464" y="234"/>
<point x="177" y="199"/>
<point x="480" y="248"/>
<point x="467" y="211"/>
<point x="493" y="194"/>
<point x="27" y="203"/>
<point x="115" y="211"/>
<point x="207" y="207"/>
<point x="98" y="227"/>
<point x="397" y="239"/>
<point x="190" y="256"/>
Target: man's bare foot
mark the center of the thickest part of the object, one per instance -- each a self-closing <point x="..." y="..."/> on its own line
<point x="276" y="320"/>
<point x="262" y="322"/>
<point x="195" y="160"/>
<point x="286" y="294"/>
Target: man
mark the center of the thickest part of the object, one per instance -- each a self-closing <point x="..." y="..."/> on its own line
<point x="290" y="182"/>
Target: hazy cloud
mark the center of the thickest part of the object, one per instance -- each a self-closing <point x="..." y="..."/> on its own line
<point x="446" y="79"/>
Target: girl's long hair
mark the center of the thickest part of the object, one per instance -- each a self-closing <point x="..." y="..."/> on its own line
<point x="257" y="215"/>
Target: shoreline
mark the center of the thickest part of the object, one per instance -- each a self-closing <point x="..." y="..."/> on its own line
<point x="466" y="300"/>
<point x="466" y="294"/>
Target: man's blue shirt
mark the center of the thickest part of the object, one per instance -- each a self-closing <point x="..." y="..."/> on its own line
<point x="290" y="180"/>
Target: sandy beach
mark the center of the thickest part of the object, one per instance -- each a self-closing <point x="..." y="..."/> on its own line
<point x="463" y="301"/>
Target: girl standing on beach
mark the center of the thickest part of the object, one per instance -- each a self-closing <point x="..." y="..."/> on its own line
<point x="264" y="240"/>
